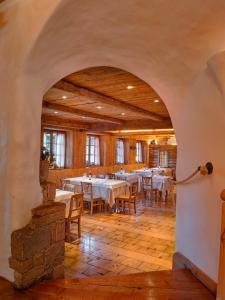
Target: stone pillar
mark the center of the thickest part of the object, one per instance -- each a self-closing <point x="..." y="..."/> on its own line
<point x="38" y="248"/>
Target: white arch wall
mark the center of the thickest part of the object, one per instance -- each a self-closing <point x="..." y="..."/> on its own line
<point x="46" y="40"/>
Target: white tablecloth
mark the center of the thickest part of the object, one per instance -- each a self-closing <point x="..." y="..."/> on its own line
<point x="163" y="183"/>
<point x="143" y="172"/>
<point x="64" y="197"/>
<point x="129" y="177"/>
<point x="107" y="189"/>
<point x="157" y="171"/>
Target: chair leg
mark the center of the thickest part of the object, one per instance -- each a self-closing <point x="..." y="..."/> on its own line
<point x="129" y="206"/>
<point x="135" y="206"/>
<point x="68" y="234"/>
<point x="91" y="208"/>
<point x="78" y="224"/>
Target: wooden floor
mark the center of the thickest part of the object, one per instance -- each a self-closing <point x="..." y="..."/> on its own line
<point x="114" y="244"/>
<point x="161" y="285"/>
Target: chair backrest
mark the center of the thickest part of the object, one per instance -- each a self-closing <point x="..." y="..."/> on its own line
<point x="76" y="206"/>
<point x="67" y="185"/>
<point x="147" y="181"/>
<point x="162" y="173"/>
<point x="87" y="188"/>
<point x="123" y="178"/>
<point x="102" y="176"/>
<point x="134" y="189"/>
<point x="111" y="176"/>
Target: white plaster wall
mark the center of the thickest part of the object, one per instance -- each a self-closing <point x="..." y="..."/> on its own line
<point x="166" y="43"/>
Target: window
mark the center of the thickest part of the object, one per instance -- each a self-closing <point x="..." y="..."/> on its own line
<point x="120" y="151"/>
<point x="92" y="150"/>
<point x="55" y="143"/>
<point x="163" y="159"/>
<point x="139" y="152"/>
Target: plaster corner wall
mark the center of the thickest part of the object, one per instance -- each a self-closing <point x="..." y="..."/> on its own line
<point x="46" y="40"/>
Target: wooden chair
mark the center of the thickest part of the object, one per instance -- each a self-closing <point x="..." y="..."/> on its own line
<point x="92" y="201"/>
<point x="101" y="176"/>
<point x="122" y="178"/>
<point x="111" y="176"/>
<point x="147" y="187"/>
<point x="123" y="200"/>
<point x="74" y="216"/>
<point x="67" y="186"/>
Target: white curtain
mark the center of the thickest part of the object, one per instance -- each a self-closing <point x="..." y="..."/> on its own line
<point x="138" y="152"/>
<point x="97" y="151"/>
<point x="120" y="152"/>
<point x="60" y="150"/>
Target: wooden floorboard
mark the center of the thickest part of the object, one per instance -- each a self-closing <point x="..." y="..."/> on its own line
<point x="113" y="244"/>
<point x="125" y="249"/>
<point x="179" y="284"/>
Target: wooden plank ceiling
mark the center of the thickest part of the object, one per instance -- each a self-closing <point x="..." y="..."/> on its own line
<point x="104" y="99"/>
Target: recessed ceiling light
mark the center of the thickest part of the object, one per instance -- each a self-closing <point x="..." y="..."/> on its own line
<point x="156" y="100"/>
<point x="123" y="114"/>
<point x="56" y="112"/>
<point x="130" y="87"/>
<point x="99" y="107"/>
<point x="64" y="97"/>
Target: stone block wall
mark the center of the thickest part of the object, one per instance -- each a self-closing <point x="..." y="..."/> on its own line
<point x="38" y="248"/>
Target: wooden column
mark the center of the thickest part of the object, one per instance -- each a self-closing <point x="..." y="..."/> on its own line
<point x="221" y="279"/>
<point x="79" y="149"/>
<point x="132" y="151"/>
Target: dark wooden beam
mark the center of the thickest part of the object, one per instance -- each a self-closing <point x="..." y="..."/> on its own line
<point x="130" y="125"/>
<point x="68" y="109"/>
<point x="48" y="120"/>
<point x="68" y="86"/>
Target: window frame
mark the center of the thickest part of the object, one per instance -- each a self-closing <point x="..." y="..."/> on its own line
<point x="56" y="131"/>
<point x="88" y="146"/>
<point x="167" y="158"/>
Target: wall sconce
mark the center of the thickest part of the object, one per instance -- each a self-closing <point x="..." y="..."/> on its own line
<point x="132" y="148"/>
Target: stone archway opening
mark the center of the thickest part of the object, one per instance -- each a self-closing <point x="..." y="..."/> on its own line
<point x="103" y="101"/>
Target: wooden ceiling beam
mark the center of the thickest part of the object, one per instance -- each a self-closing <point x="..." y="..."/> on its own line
<point x="47" y="120"/>
<point x="68" y="109"/>
<point x="131" y="125"/>
<point x="70" y="87"/>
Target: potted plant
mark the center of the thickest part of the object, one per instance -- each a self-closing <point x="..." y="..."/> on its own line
<point x="44" y="164"/>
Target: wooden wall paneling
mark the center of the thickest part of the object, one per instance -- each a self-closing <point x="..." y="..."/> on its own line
<point x="132" y="151"/>
<point x="57" y="174"/>
<point x="221" y="277"/>
<point x="126" y="151"/>
<point x="154" y="155"/>
<point x="79" y="149"/>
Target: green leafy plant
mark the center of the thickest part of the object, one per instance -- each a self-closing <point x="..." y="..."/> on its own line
<point x="44" y="154"/>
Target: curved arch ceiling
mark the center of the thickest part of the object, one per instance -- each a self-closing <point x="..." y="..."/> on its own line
<point x="105" y="98"/>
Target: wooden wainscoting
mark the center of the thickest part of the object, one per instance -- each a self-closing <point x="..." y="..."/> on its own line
<point x="182" y="262"/>
<point x="57" y="174"/>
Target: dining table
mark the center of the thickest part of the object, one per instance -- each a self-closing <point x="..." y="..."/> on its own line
<point x="143" y="172"/>
<point x="64" y="197"/>
<point x="129" y="177"/>
<point x="159" y="170"/>
<point x="107" y="189"/>
<point x="164" y="184"/>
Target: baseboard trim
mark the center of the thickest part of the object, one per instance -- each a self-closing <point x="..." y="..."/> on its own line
<point x="182" y="262"/>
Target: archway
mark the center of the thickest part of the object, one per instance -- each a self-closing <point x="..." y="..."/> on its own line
<point x="101" y="43"/>
<point x="113" y="107"/>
